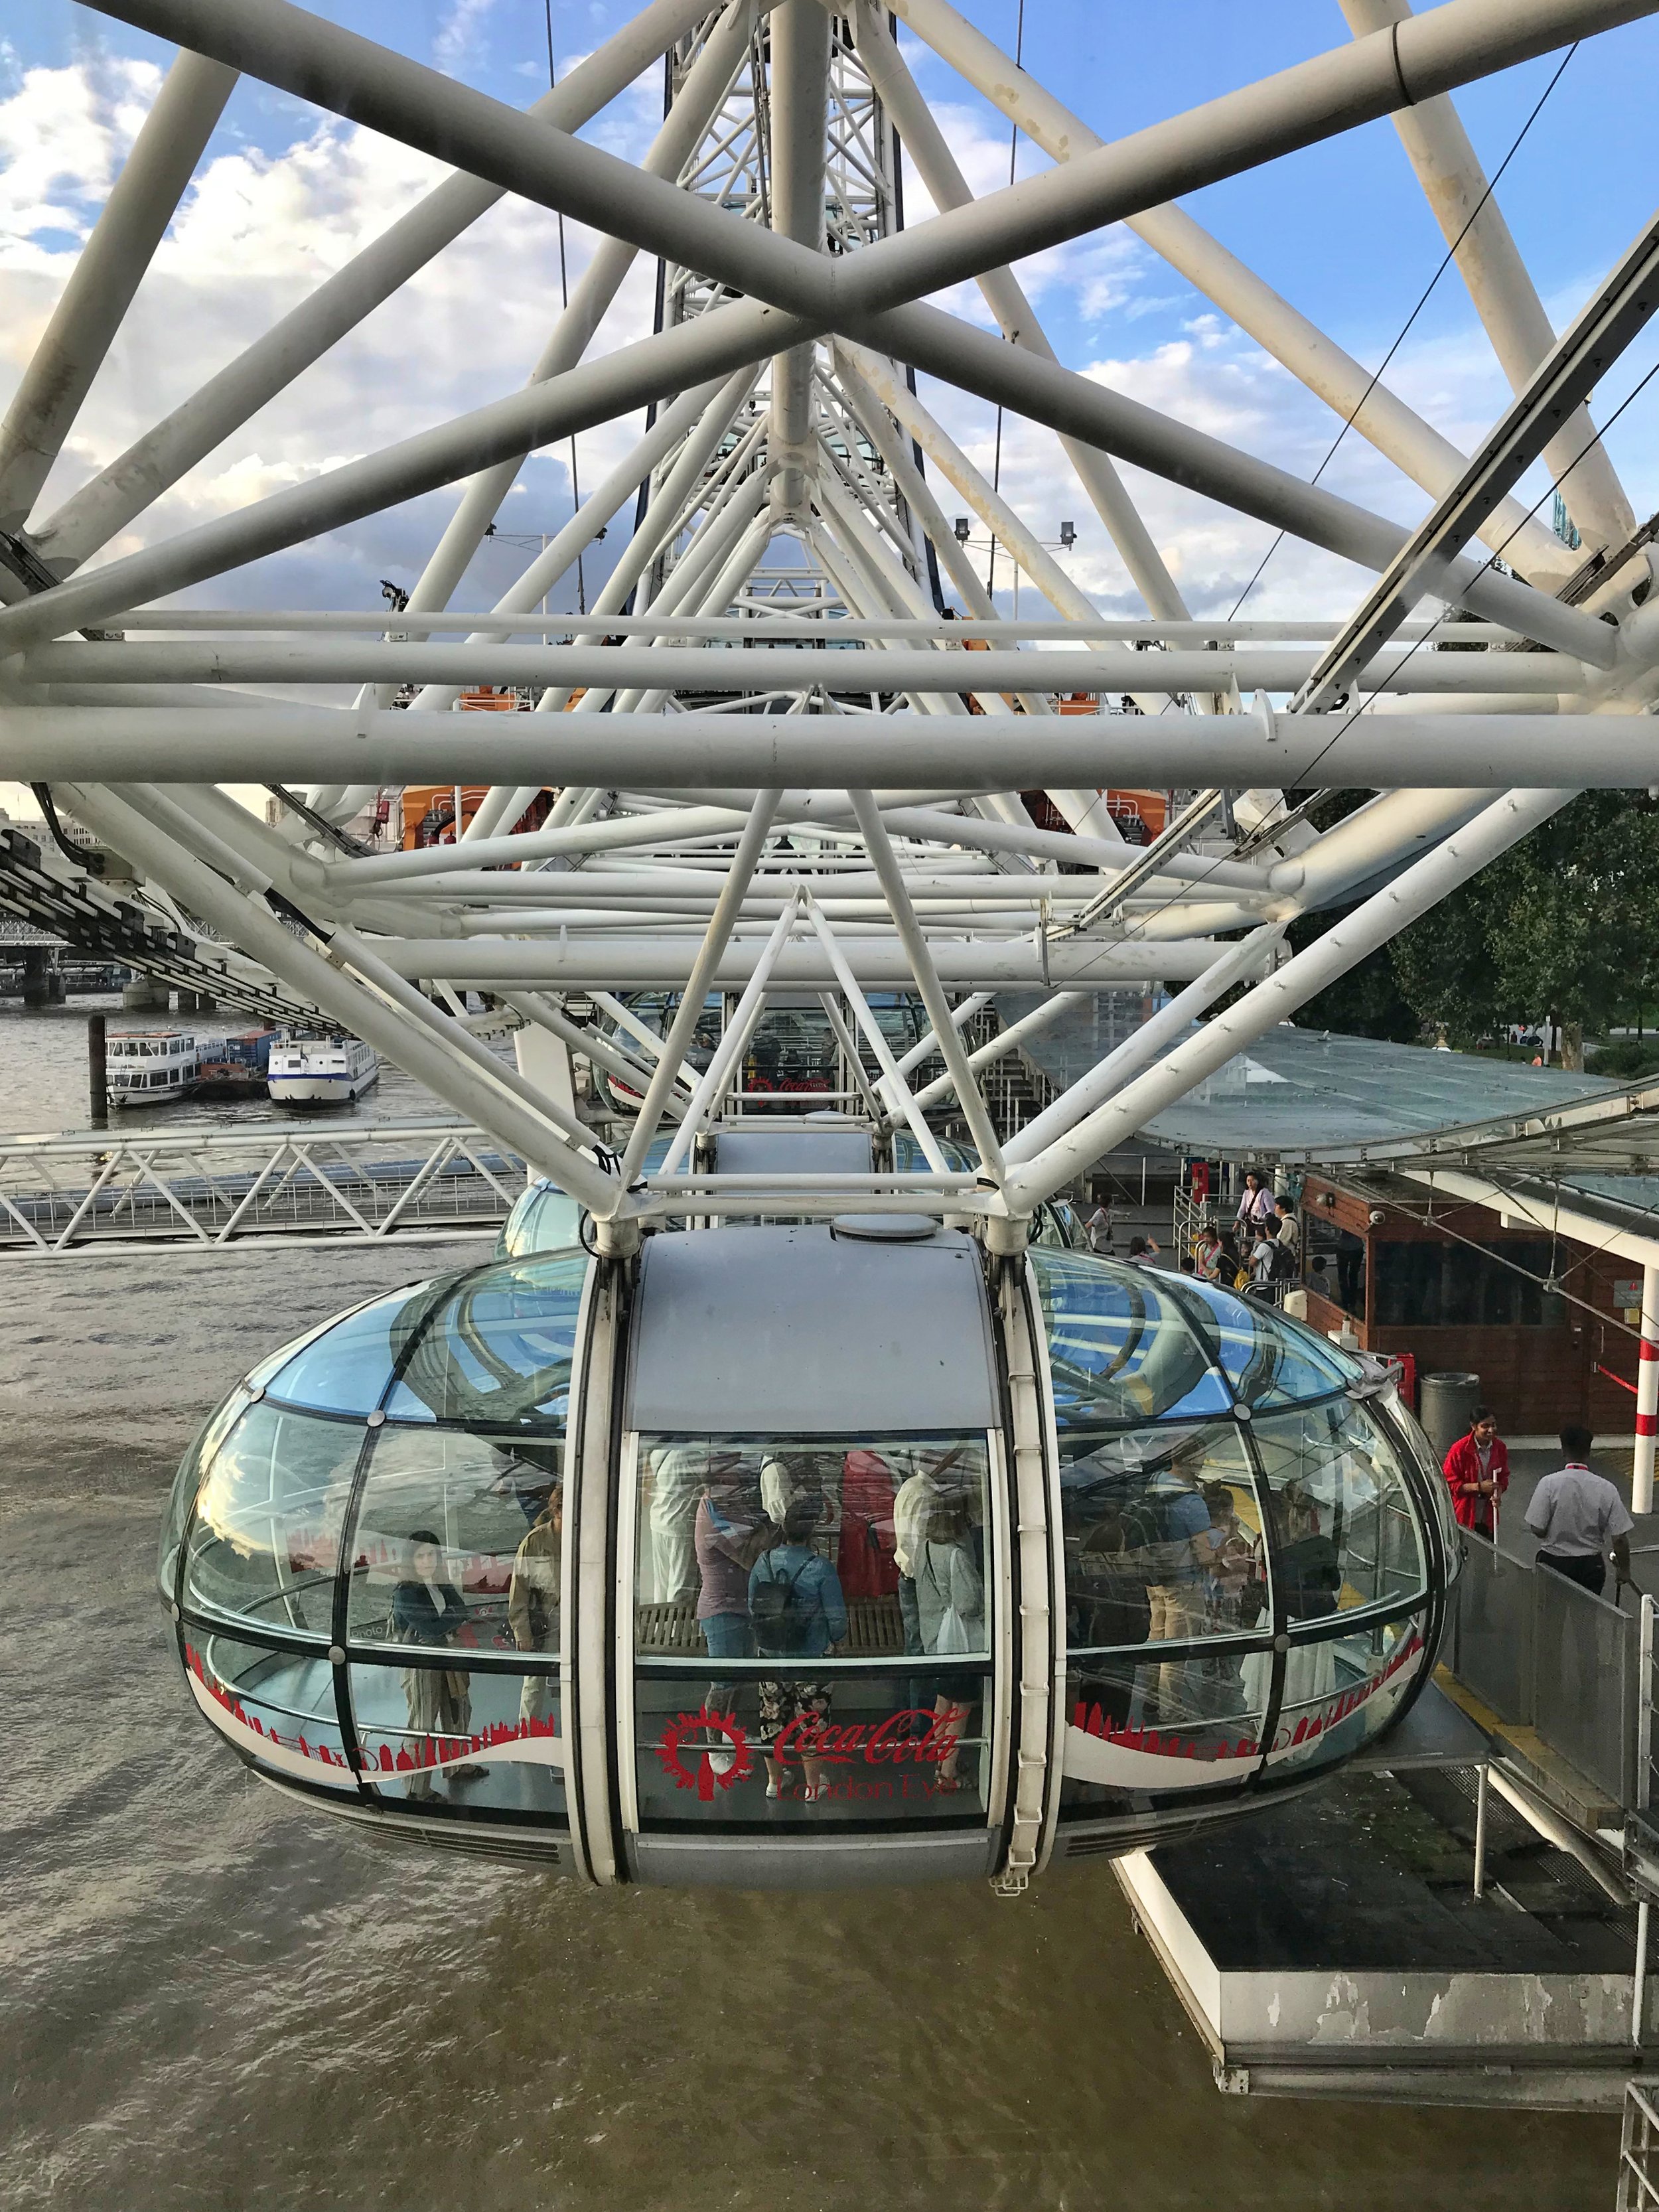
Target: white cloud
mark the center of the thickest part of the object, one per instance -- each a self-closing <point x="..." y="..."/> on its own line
<point x="256" y="235"/>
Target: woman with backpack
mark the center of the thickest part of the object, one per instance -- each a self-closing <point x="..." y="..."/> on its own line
<point x="797" y="1611"/>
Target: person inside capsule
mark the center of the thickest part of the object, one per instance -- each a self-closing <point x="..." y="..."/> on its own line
<point x="732" y="1533"/>
<point x="532" y="1601"/>
<point x="427" y="1612"/>
<point x="798" y="1612"/>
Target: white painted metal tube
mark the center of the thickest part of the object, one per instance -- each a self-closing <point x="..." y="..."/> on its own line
<point x="595" y="290"/>
<point x="250" y="925"/>
<point x="1421" y="886"/>
<point x="1377" y="413"/>
<point x="594" y="515"/>
<point x="1505" y="299"/>
<point x="130" y="744"/>
<point x="733" y="1041"/>
<point x="703" y="969"/>
<point x="190" y="622"/>
<point x="350" y="950"/>
<point x="914" y="940"/>
<point x="1647" y="1391"/>
<point x="107" y="274"/>
<point x="895" y="1091"/>
<point x="947" y="187"/>
<point x="1005" y="1042"/>
<point x="448" y="666"/>
<point x="655" y="960"/>
<point x="129" y="485"/>
<point x="798" y="83"/>
<point x="583" y="1039"/>
<point x="960" y="1017"/>
<point x="1139" y="1050"/>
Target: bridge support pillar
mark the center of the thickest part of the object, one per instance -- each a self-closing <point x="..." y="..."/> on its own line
<point x="145" y="995"/>
<point x="43" y="979"/>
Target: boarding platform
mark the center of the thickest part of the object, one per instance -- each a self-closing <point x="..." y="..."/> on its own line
<point x="1336" y="1946"/>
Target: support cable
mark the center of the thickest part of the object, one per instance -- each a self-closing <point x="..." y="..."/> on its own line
<point x="565" y="302"/>
<point x="1405" y="329"/>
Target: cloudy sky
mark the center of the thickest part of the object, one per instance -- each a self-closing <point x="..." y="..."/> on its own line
<point x="286" y="195"/>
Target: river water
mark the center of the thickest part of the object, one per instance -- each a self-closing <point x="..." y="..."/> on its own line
<point x="212" y="1999"/>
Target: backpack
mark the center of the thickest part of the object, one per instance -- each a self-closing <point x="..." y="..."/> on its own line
<point x="1282" y="1265"/>
<point x="778" y="1623"/>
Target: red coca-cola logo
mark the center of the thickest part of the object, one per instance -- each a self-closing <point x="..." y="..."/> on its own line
<point x="716" y="1765"/>
<point x="889" y="1741"/>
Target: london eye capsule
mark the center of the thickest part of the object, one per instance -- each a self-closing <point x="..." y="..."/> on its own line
<point x="801" y="1555"/>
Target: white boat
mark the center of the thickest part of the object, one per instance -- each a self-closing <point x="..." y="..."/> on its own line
<point x="326" y="1070"/>
<point x="153" y="1067"/>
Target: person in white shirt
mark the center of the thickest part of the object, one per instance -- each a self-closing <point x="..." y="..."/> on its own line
<point x="1098" y="1229"/>
<point x="1577" y="1516"/>
<point x="1255" y="1205"/>
<point x="1290" y="1233"/>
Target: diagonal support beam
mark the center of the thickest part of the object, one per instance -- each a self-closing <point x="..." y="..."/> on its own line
<point x="913" y="939"/>
<point x="1609" y="322"/>
<point x="157" y="460"/>
<point x="1463" y="854"/>
<point x="1376" y="413"/>
<point x="105" y="277"/>
<point x="704" y="968"/>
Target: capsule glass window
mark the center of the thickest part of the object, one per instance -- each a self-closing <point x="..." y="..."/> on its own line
<point x="265" y="1535"/>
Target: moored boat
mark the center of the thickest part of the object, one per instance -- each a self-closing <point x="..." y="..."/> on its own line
<point x="235" y="1067"/>
<point x="154" y="1068"/>
<point x="320" y="1070"/>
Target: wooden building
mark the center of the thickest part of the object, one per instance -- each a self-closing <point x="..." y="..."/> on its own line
<point x="1545" y="1322"/>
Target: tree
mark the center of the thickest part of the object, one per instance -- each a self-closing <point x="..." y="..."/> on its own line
<point x="1567" y="924"/>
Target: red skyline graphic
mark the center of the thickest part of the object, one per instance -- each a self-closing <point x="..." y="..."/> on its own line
<point x="1171" y="1744"/>
<point x="435" y="1751"/>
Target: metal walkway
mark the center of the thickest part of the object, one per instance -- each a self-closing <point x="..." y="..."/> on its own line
<point x="207" y="1186"/>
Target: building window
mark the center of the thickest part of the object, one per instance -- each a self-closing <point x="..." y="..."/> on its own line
<point x="1428" y="1285"/>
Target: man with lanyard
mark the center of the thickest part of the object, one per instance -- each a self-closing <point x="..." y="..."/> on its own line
<point x="1477" y="1472"/>
<point x="1577" y="1514"/>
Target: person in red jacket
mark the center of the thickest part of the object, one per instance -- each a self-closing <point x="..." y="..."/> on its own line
<point x="1477" y="1471"/>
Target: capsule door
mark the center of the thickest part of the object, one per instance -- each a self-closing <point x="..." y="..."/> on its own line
<point x="811" y="1657"/>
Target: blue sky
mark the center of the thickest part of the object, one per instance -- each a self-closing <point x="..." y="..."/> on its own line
<point x="1340" y="230"/>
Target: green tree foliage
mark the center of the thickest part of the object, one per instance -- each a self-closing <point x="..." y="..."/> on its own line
<point x="1567" y="923"/>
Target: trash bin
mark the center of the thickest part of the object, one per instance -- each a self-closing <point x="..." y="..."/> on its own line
<point x="1446" y="1406"/>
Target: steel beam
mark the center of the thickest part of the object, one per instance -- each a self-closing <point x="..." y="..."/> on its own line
<point x="447" y="668"/>
<point x="99" y="509"/>
<point x="715" y="751"/>
<point x="1505" y="299"/>
<point x="107" y="273"/>
<point x="1314" y="358"/>
<point x="1608" y="322"/>
<point x="1425" y="884"/>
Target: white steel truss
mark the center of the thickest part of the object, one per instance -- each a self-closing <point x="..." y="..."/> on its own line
<point x="793" y="729"/>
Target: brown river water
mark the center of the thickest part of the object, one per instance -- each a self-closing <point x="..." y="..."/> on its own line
<point x="210" y="1999"/>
